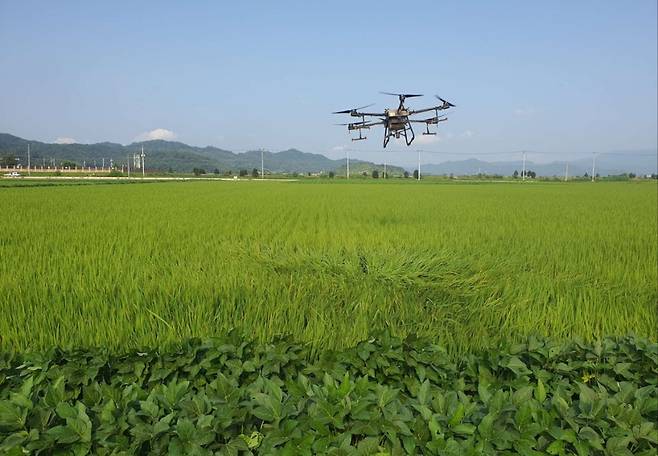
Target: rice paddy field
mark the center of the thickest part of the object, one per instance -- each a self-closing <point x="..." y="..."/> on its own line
<point x="469" y="265"/>
<point x="344" y="318"/>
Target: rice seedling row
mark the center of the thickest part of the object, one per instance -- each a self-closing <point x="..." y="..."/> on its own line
<point x="471" y="266"/>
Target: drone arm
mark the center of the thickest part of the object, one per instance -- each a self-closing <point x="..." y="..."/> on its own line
<point x="367" y="124"/>
<point x="369" y="114"/>
<point x="433" y="108"/>
<point x="431" y="120"/>
<point x="361" y="125"/>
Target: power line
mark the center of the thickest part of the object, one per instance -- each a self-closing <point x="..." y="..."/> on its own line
<point x="515" y="152"/>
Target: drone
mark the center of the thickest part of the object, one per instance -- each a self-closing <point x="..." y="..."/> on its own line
<point x="396" y="122"/>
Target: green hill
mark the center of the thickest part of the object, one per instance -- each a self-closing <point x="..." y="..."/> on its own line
<point x="180" y="157"/>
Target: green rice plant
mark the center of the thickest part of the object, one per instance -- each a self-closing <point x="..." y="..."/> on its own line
<point x="471" y="266"/>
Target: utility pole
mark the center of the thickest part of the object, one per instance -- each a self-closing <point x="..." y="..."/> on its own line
<point x="28" y="160"/>
<point x="128" y="161"/>
<point x="262" y="168"/>
<point x="523" y="171"/>
<point x="384" y="170"/>
<point x="347" y="152"/>
<point x="593" y="165"/>
<point x="566" y="172"/>
<point x="143" y="164"/>
<point x="419" y="165"/>
<point x="103" y="167"/>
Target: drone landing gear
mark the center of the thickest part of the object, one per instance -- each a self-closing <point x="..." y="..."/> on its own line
<point x="408" y="128"/>
<point x="361" y="137"/>
<point x="433" y="121"/>
<point x="397" y="133"/>
<point x="427" y="130"/>
<point x="359" y="126"/>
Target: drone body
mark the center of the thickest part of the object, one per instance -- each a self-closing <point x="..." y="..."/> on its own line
<point x="396" y="122"/>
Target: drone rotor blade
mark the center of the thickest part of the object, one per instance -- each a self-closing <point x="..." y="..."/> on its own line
<point x="348" y="111"/>
<point x="447" y="103"/>
<point x="406" y="95"/>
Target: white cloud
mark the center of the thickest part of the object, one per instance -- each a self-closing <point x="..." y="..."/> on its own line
<point x="467" y="134"/>
<point x="523" y="111"/>
<point x="338" y="148"/>
<point x="65" y="140"/>
<point x="428" y="139"/>
<point x="158" y="133"/>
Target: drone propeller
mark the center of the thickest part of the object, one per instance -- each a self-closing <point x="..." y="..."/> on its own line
<point x="348" y="111"/>
<point x="445" y="103"/>
<point x="405" y="95"/>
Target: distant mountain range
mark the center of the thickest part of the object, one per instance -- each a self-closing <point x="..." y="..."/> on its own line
<point x="180" y="157"/>
<point x="165" y="155"/>
<point x="635" y="161"/>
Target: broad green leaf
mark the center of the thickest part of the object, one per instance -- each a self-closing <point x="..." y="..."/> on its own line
<point x="424" y="393"/>
<point x="517" y="366"/>
<point x="540" y="391"/>
<point x="55" y="392"/>
<point x="185" y="430"/>
<point x="485" y="428"/>
<point x="150" y="408"/>
<point x="65" y="410"/>
<point x="464" y="429"/>
<point x="457" y="416"/>
<point x="64" y="434"/>
<point x="556" y="447"/>
<point x="590" y="436"/>
<point x="253" y="440"/>
<point x="11" y="417"/>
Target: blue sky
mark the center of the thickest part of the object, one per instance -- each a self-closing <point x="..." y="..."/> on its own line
<point x="561" y="78"/>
